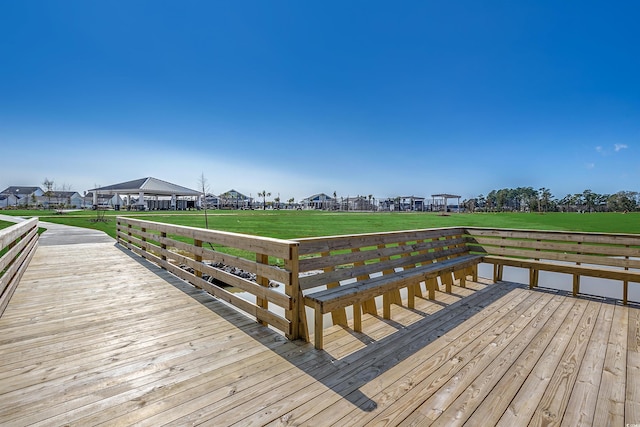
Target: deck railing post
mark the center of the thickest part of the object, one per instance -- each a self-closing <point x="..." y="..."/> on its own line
<point x="143" y="246"/>
<point x="198" y="257"/>
<point x="263" y="281"/>
<point x="294" y="313"/>
<point x="163" y="246"/>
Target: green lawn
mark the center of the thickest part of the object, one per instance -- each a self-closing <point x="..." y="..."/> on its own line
<point x="291" y="224"/>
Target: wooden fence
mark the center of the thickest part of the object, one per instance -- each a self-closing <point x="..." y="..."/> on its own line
<point x="602" y="255"/>
<point x="205" y="259"/>
<point x="197" y="255"/>
<point x="17" y="246"/>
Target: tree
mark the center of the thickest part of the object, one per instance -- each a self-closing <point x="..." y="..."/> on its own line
<point x="205" y="189"/>
<point x="589" y="199"/>
<point x="48" y="185"/>
<point x="545" y="198"/>
<point x="264" y="194"/>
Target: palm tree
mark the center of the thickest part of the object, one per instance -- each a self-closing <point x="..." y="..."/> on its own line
<point x="264" y="194"/>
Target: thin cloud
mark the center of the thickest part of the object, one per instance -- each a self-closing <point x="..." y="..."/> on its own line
<point x="590" y="165"/>
<point x="618" y="147"/>
<point x="599" y="148"/>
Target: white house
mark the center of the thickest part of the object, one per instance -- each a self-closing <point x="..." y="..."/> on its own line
<point x="66" y="199"/>
<point x="25" y="195"/>
<point x="8" y="200"/>
<point x="318" y="201"/>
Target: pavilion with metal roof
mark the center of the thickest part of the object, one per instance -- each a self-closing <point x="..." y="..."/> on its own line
<point x="151" y="193"/>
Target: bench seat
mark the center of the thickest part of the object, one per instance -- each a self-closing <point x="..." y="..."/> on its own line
<point x="348" y="294"/>
<point x="355" y="293"/>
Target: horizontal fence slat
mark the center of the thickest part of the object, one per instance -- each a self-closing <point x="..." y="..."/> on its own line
<point x="10" y="234"/>
<point x="320" y="262"/>
<point x="333" y="243"/>
<point x="559" y="256"/>
<point x="590" y="248"/>
<point x="599" y="272"/>
<point x="274" y="247"/>
<point x="340" y="274"/>
<point x="568" y="236"/>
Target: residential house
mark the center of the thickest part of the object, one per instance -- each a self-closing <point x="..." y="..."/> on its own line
<point x="8" y="200"/>
<point x="233" y="199"/>
<point x="61" y="199"/>
<point x="318" y="201"/>
<point x="25" y="195"/>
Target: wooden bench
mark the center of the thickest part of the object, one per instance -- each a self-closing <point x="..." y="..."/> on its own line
<point x="337" y="272"/>
<point x="602" y="255"/>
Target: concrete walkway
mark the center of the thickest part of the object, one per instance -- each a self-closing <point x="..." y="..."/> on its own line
<point x="58" y="234"/>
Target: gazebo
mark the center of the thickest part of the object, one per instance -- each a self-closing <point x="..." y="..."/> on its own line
<point x="160" y="194"/>
<point x="442" y="200"/>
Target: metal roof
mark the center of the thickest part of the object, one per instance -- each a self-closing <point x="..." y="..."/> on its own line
<point x="149" y="185"/>
<point x="20" y="190"/>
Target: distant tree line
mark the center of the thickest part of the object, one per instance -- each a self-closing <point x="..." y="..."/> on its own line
<point x="528" y="199"/>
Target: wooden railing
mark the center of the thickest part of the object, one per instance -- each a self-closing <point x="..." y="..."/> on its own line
<point x="272" y="261"/>
<point x="17" y="246"/>
<point x="600" y="255"/>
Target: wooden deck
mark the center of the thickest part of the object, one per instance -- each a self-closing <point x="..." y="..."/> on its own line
<point x="94" y="336"/>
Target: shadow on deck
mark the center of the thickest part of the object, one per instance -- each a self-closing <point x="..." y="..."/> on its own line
<point x="106" y="341"/>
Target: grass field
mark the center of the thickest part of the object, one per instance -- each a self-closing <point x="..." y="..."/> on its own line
<point x="292" y="224"/>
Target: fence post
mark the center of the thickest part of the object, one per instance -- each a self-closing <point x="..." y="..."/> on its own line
<point x="263" y="281"/>
<point x="198" y="257"/>
<point x="295" y="314"/>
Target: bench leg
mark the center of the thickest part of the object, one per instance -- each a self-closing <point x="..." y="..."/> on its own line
<point x="576" y="284"/>
<point x="318" y="328"/>
<point x="497" y="273"/>
<point x="411" y="296"/>
<point x="474" y="273"/>
<point x="446" y="279"/>
<point x="357" y="317"/>
<point x="386" y="306"/>
<point x="463" y="280"/>
<point x="532" y="273"/>
<point x="431" y="288"/>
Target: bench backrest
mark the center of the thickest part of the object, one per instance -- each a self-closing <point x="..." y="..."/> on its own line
<point x="330" y="260"/>
<point x="613" y="250"/>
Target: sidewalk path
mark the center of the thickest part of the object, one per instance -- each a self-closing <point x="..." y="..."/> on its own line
<point x="58" y="234"/>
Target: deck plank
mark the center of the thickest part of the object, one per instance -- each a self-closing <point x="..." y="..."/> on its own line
<point x="611" y="396"/>
<point x="507" y="345"/>
<point x="95" y="335"/>
<point x="632" y="399"/>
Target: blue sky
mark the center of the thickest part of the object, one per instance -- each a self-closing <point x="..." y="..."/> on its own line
<point x="300" y="97"/>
